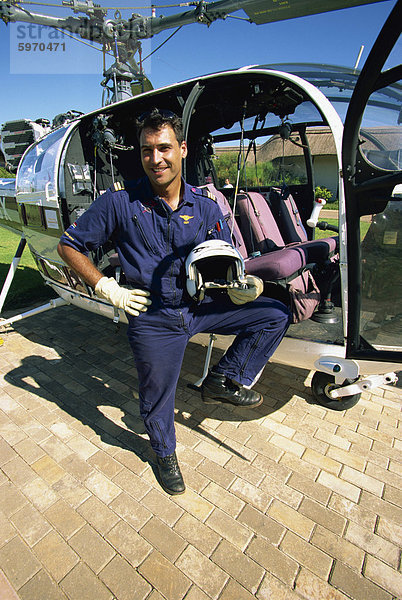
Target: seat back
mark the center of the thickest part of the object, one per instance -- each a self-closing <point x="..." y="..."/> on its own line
<point x="237" y="238"/>
<point x="287" y="215"/>
<point x="257" y="223"/>
<point x="258" y="231"/>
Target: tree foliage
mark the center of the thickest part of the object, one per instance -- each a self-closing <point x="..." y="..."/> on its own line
<point x="253" y="175"/>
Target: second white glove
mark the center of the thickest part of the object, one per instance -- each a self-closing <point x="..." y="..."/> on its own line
<point x="255" y="287"/>
<point x="132" y="301"/>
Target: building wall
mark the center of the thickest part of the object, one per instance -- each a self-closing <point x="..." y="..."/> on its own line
<point x="326" y="173"/>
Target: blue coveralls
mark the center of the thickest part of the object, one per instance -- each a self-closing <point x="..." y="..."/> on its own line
<point x="153" y="242"/>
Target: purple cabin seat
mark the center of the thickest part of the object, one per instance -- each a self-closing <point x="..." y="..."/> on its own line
<point x="279" y="264"/>
<point x="237" y="238"/>
<point x="288" y="217"/>
<point x="261" y="232"/>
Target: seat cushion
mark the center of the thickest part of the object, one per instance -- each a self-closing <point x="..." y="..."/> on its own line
<point x="278" y="265"/>
<point x="319" y="251"/>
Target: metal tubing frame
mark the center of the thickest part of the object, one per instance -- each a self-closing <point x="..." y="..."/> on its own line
<point x="12" y="270"/>
<point x="7" y="284"/>
<point x="34" y="311"/>
<point x="198" y="384"/>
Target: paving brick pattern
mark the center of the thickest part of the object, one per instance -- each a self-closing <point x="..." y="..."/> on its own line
<point x="288" y="501"/>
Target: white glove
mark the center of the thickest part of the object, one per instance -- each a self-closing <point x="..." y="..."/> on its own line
<point x="254" y="288"/>
<point x="132" y="301"/>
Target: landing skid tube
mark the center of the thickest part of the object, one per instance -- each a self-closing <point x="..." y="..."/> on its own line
<point x="11" y="271"/>
<point x="34" y="311"/>
<point x="7" y="284"/>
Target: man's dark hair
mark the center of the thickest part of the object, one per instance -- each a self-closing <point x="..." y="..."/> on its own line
<point x="156" y="119"/>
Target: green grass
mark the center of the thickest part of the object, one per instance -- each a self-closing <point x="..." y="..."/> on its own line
<point x="27" y="287"/>
<point x="6" y="174"/>
<point x="332" y="205"/>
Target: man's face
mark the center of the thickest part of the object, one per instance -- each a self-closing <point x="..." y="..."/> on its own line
<point x="161" y="156"/>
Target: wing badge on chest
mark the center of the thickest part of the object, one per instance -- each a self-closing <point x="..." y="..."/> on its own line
<point x="186" y="218"/>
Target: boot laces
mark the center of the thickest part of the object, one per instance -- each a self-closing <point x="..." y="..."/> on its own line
<point x="171" y="463"/>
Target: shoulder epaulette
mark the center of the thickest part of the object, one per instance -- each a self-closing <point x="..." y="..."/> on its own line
<point x="206" y="193"/>
<point x="118" y="186"/>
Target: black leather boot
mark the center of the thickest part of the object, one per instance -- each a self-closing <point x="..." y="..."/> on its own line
<point x="217" y="388"/>
<point x="169" y="473"/>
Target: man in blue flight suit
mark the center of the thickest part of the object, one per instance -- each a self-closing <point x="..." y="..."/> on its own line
<point x="155" y="223"/>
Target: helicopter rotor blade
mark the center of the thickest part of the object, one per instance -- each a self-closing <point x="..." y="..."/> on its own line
<point x="96" y="27"/>
<point x="128" y="33"/>
<point x="258" y="11"/>
<point x="268" y="11"/>
<point x="90" y="30"/>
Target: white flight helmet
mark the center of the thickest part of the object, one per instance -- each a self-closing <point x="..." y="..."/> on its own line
<point x="213" y="264"/>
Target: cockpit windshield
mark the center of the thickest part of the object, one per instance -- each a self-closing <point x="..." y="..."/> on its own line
<point x="337" y="84"/>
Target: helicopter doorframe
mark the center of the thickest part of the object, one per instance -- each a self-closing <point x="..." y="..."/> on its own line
<point x="356" y="188"/>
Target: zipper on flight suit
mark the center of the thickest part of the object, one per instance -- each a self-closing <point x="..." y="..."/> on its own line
<point x="155" y="426"/>
<point x="253" y="347"/>
<point x="196" y="235"/>
<point x="142" y="233"/>
<point x="170" y="248"/>
<point x="183" y="322"/>
<point x="168" y="219"/>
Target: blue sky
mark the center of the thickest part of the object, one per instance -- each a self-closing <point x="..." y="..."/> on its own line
<point x="55" y="86"/>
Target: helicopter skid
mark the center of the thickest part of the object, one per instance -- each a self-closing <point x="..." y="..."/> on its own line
<point x="94" y="305"/>
<point x="54" y="303"/>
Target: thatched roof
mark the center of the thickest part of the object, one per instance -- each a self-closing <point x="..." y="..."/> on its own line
<point x="381" y="138"/>
<point x="320" y="140"/>
<point x="321" y="143"/>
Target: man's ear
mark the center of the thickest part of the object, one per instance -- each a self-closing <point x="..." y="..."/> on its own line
<point x="183" y="149"/>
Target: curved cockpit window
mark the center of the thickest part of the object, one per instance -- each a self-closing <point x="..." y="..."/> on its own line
<point x="381" y="131"/>
<point x="38" y="171"/>
<point x="337" y="84"/>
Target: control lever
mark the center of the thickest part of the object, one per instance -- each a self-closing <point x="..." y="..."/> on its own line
<point x="319" y="203"/>
<point x="324" y="226"/>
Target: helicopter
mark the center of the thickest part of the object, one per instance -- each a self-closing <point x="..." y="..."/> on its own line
<point x="353" y="338"/>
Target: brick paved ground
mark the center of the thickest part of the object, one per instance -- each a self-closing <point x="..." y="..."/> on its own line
<point x="289" y="501"/>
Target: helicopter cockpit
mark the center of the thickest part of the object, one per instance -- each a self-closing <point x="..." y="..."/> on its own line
<point x="230" y="121"/>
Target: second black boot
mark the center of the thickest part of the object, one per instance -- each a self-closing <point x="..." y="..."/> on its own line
<point x="217" y="388"/>
<point x="169" y="474"/>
